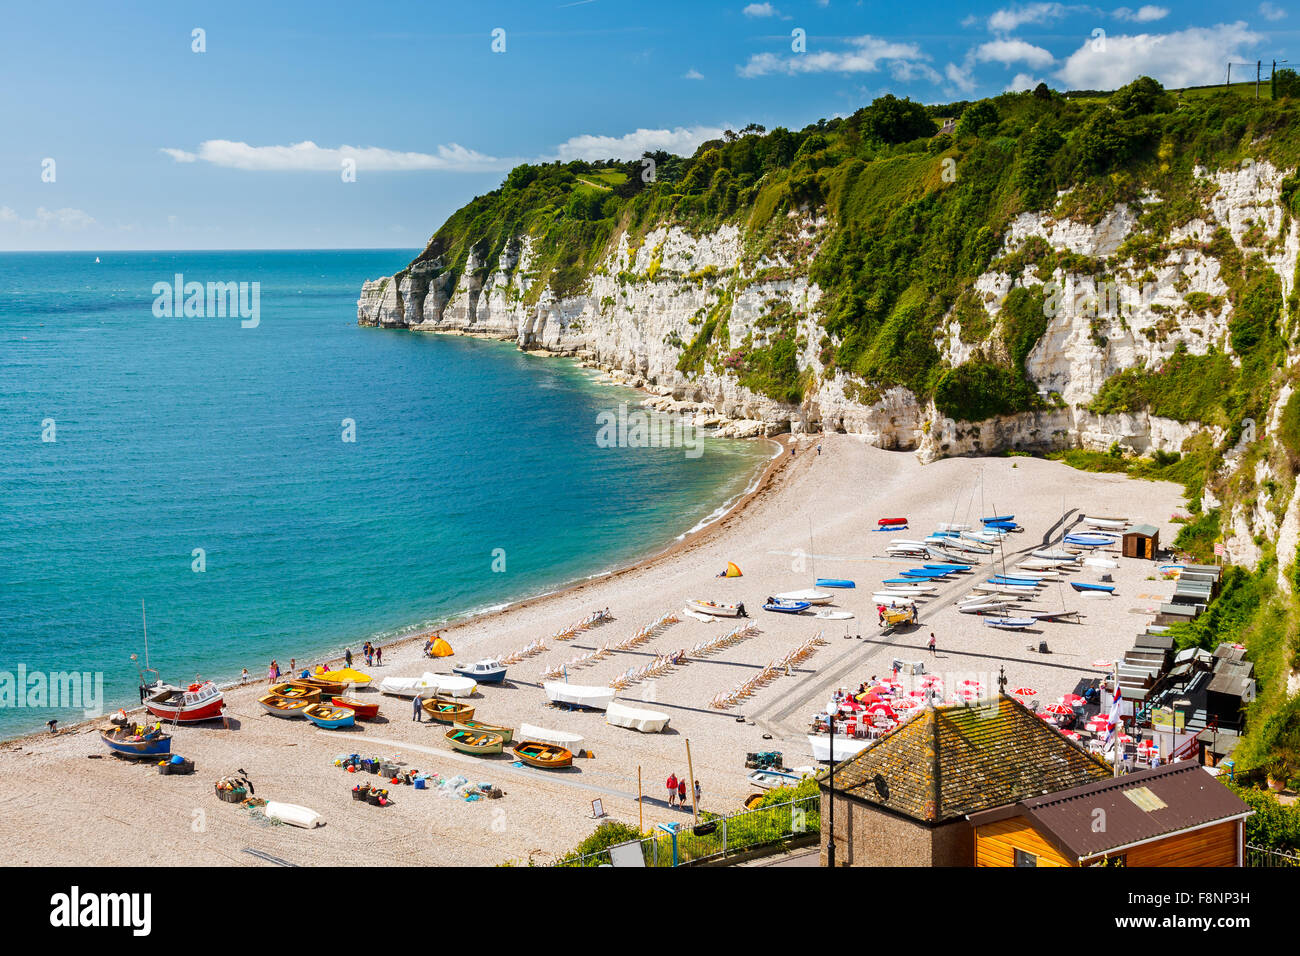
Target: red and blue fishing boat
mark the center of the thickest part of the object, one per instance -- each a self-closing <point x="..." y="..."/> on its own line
<point x="125" y="742"/>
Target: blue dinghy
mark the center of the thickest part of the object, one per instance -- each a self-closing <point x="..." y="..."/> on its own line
<point x="835" y="583"/>
<point x="787" y="607"/>
<point x="923" y="574"/>
<point x="993" y="518"/>
<point x="1088" y="540"/>
<point x="1080" y="586"/>
<point x="946" y="567"/>
<point x="1004" y="579"/>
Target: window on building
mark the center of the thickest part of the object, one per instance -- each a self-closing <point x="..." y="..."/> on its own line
<point x="1025" y="859"/>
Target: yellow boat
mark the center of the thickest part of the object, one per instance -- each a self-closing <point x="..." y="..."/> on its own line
<point x="447" y="711"/>
<point x="296" y="691"/>
<point x="474" y="742"/>
<point x="337" y="680"/>
<point x="507" y="733"/>
<point x="283" y="706"/>
<point x="546" y="756"/>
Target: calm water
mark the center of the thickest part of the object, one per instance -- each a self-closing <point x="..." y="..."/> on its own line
<point x="177" y="434"/>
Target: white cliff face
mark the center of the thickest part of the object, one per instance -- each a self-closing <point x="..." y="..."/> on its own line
<point x="647" y="300"/>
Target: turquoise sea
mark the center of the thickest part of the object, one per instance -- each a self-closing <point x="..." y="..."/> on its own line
<point x="177" y="434"/>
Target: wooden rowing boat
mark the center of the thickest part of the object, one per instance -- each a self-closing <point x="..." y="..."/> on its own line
<point x="506" y="733"/>
<point x="296" y="690"/>
<point x="546" y="756"/>
<point x="447" y="711"/>
<point x="278" y="706"/>
<point x="474" y="741"/>
<point x="363" y="711"/>
<point x="329" y="716"/>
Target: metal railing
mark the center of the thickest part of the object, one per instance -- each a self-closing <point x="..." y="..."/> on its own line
<point x="717" y="837"/>
<point x="1263" y="856"/>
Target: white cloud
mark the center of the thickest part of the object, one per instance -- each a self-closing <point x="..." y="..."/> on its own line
<point x="1007" y="52"/>
<point x="866" y="56"/>
<point x="960" y="77"/>
<point x="308" y="157"/>
<point x="1270" y="12"/>
<point x="760" y="10"/>
<point x="1188" y="57"/>
<point x="1008" y="19"/>
<point x="682" y="140"/>
<point x="1021" y="82"/>
<point x="692" y="74"/>
<point x="66" y="218"/>
<point x="1145" y="14"/>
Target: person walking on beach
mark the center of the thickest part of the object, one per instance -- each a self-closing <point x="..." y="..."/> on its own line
<point x="273" y="673"/>
<point x="347" y="657"/>
<point x="672" y="789"/>
<point x="379" y="657"/>
<point x="243" y="678"/>
<point x="416" y="708"/>
<point x="697" y="794"/>
<point x="293" y="667"/>
<point x="932" y="643"/>
<point x="681" y="790"/>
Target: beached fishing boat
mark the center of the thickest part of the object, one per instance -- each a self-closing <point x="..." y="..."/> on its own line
<point x="1110" y="524"/>
<point x="292" y="814"/>
<point x="845" y="747"/>
<point x="427" y="683"/>
<point x="1081" y="586"/>
<point x="787" y="607"/>
<point x="486" y="671"/>
<point x="447" y="711"/>
<point x="505" y="733"/>
<point x="278" y="706"/>
<point x="578" y="695"/>
<point x="474" y="741"/>
<point x="363" y="711"/>
<point x="296" y="691"/>
<point x="538" y="754"/>
<point x="329" y="716"/>
<point x="714" y="609"/>
<point x="335" y="681"/>
<point x="835" y="583"/>
<point x="1056" y="554"/>
<point x="811" y="595"/>
<point x="1010" y="623"/>
<point x="620" y="714"/>
<point x="190" y="705"/>
<point x="124" y="742"/>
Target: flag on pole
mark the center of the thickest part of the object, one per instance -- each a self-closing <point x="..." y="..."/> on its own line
<point x="1114" y="722"/>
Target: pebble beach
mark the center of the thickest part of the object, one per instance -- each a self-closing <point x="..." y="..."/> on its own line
<point x="813" y="515"/>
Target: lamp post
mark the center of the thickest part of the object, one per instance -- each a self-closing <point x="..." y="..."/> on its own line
<point x="830" y="833"/>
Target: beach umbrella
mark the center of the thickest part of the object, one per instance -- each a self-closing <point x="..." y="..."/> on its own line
<point x="1074" y="700"/>
<point x="1025" y="692"/>
<point x="1123" y="739"/>
<point x="1070" y="734"/>
<point x="1102" y="663"/>
<point x="932" y="681"/>
<point x="1060" y="709"/>
<point x="970" y="683"/>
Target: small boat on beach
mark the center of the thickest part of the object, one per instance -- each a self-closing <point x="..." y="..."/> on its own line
<point x="1089" y="540"/>
<point x="486" y="671"/>
<point x="363" y="711"/>
<point x="1110" y="524"/>
<point x="1047" y="564"/>
<point x="826" y="614"/>
<point x="475" y="742"/>
<point x="124" y="742"/>
<point x="547" y="756"/>
<point x="892" y="599"/>
<point x="993" y="587"/>
<point x="292" y="814"/>
<point x="835" y="583"/>
<point x="189" y="705"/>
<point x="768" y="779"/>
<point x="714" y="609"/>
<point x="1054" y="615"/>
<point x="578" y="695"/>
<point x="296" y="691"/>
<point x="907" y="550"/>
<point x="985" y="607"/>
<point x="557" y="738"/>
<point x="1108" y="563"/>
<point x="891" y="522"/>
<point x="409" y="686"/>
<point x="947" y="567"/>
<point x="1010" y="623"/>
<point x="505" y="733"/>
<point x="915" y="590"/>
<point x="992" y="518"/>
<point x="1056" y="554"/>
<point x="787" y="607"/>
<point x="811" y="595"/>
<point x="278" y="706"/>
<point x="329" y="716"/>
<point x="1081" y="586"/>
<point x="620" y="714"/>
<point x="447" y="711"/>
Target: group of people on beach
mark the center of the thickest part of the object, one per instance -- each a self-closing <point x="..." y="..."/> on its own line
<point x="677" y="791"/>
<point x="373" y="653"/>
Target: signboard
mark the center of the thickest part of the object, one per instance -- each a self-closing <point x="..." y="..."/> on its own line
<point x="1167" y="720"/>
<point x="1219" y="550"/>
<point x="597" y="808"/>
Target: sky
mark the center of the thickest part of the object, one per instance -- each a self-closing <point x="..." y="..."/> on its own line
<point x="236" y="125"/>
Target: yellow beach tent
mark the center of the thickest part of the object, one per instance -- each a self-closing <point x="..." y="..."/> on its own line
<point x="733" y="570"/>
<point x="441" y="649"/>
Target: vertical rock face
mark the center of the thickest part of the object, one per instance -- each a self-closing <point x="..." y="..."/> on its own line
<point x="645" y="303"/>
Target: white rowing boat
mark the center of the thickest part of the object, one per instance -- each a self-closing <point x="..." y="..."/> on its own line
<point x="892" y="599"/>
<point x="713" y="609"/>
<point x="811" y="595"/>
<point x="556" y="738"/>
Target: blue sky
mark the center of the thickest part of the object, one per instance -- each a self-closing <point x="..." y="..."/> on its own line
<point x="156" y="146"/>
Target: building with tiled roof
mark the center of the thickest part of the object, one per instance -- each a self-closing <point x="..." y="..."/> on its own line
<point x="1176" y="815"/>
<point x="904" y="800"/>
